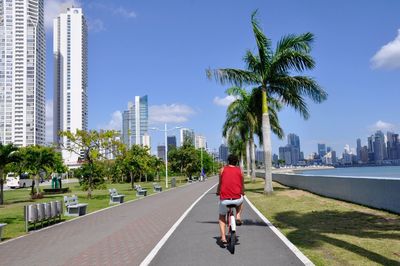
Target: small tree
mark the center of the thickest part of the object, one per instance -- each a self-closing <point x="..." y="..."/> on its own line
<point x="91" y="146"/>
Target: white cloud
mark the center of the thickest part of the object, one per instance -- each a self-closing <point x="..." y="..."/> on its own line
<point x="389" y="55"/>
<point x="52" y="8"/>
<point x="116" y="11"/>
<point x="49" y="121"/>
<point x="226" y="101"/>
<point x="96" y="25"/>
<point x="384" y="126"/>
<point x="115" y="122"/>
<point x="120" y="11"/>
<point x="174" y="113"/>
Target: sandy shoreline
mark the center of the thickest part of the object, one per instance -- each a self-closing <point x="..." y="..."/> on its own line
<point x="300" y="169"/>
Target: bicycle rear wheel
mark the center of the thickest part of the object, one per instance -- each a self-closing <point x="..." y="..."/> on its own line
<point x="232" y="242"/>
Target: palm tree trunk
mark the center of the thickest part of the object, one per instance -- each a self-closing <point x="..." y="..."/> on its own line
<point x="37" y="184"/>
<point x="132" y="180"/>
<point x="241" y="161"/>
<point x="266" y="132"/>
<point x="253" y="160"/>
<point x="248" y="157"/>
<point x="1" y="188"/>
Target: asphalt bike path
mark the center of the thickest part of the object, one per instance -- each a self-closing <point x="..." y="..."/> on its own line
<point x="121" y="235"/>
<point x="195" y="241"/>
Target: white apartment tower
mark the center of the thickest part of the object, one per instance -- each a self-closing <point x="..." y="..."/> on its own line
<point x="22" y="72"/>
<point x="70" y="77"/>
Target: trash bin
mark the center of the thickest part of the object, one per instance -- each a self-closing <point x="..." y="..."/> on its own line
<point x="173" y="182"/>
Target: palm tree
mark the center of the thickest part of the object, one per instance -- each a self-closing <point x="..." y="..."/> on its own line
<point x="243" y="118"/>
<point x="37" y="159"/>
<point x="7" y="155"/>
<point x="271" y="72"/>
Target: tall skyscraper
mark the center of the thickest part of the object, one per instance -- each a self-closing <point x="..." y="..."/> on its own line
<point x="358" y="149"/>
<point x="171" y="141"/>
<point x="321" y="150"/>
<point x="223" y="153"/>
<point x="70" y="77"/>
<point x="293" y="140"/>
<point x="135" y="121"/>
<point x="380" y="152"/>
<point x="187" y="135"/>
<point x="22" y="72"/>
<point x="161" y="152"/>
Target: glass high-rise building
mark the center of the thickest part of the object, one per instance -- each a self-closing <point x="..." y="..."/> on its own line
<point x="70" y="77"/>
<point x="171" y="141"/>
<point x="22" y="72"/>
<point x="321" y="150"/>
<point x="135" y="121"/>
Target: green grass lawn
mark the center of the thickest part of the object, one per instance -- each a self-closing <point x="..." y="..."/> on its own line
<point x="328" y="231"/>
<point x="12" y="212"/>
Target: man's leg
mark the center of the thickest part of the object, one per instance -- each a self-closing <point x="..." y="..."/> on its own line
<point x="239" y="210"/>
<point x="222" y="225"/>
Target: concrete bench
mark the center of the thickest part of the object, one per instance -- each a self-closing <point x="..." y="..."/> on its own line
<point x="42" y="212"/>
<point x="140" y="192"/>
<point x="157" y="187"/>
<point x="73" y="207"/>
<point x="1" y="230"/>
<point x="115" y="197"/>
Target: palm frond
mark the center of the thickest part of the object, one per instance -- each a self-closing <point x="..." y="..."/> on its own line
<point x="288" y="60"/>
<point x="263" y="43"/>
<point x="300" y="43"/>
<point x="237" y="77"/>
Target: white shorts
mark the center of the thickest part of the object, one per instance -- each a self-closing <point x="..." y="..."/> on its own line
<point x="223" y="203"/>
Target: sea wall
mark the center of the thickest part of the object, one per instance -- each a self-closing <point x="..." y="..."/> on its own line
<point x="373" y="192"/>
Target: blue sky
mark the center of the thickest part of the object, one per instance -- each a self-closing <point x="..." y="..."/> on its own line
<point x="162" y="48"/>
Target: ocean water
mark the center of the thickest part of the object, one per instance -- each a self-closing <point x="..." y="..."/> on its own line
<point x="378" y="172"/>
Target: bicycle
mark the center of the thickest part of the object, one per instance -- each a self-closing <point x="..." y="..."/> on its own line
<point x="231" y="222"/>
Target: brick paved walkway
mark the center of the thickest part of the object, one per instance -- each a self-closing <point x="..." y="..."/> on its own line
<point x="122" y="235"/>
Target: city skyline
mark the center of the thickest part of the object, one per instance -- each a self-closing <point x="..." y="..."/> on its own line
<point x="372" y="66"/>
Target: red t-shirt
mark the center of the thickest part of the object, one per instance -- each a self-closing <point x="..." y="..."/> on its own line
<point x="231" y="183"/>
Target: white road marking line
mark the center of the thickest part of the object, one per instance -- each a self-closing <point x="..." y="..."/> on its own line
<point x="163" y="240"/>
<point x="286" y="241"/>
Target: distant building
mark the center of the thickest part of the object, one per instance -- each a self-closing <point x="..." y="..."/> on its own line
<point x="364" y="154"/>
<point x="260" y="157"/>
<point x="223" y="153"/>
<point x="275" y="158"/>
<point x="358" y="149"/>
<point x="187" y="135"/>
<point x="135" y="121"/>
<point x="146" y="141"/>
<point x="200" y="142"/>
<point x="380" y="152"/>
<point x="321" y="150"/>
<point x="285" y="154"/>
<point x="291" y="152"/>
<point x="161" y="152"/>
<point x="171" y="141"/>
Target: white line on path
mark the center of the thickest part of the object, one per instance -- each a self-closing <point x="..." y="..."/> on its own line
<point x="287" y="242"/>
<point x="163" y="240"/>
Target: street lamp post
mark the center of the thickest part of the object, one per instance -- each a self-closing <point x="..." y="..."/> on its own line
<point x="166" y="149"/>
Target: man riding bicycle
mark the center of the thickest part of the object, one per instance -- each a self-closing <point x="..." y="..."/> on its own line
<point x="230" y="190"/>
